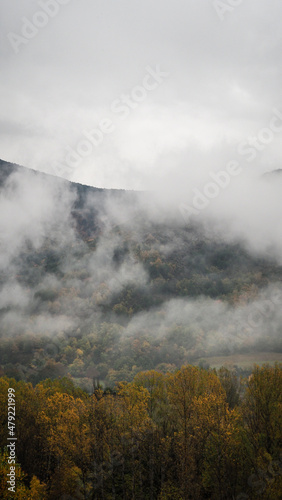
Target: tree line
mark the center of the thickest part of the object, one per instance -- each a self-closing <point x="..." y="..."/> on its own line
<point x="191" y="434"/>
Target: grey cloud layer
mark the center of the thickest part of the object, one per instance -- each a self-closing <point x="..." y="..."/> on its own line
<point x="225" y="78"/>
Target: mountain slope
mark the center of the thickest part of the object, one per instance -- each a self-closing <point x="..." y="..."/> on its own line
<point x="118" y="286"/>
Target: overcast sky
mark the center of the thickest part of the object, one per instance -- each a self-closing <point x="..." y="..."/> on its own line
<point x="217" y="85"/>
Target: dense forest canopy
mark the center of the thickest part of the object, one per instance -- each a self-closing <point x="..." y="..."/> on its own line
<point x="191" y="434"/>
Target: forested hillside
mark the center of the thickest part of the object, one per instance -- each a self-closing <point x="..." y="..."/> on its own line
<point x="101" y="284"/>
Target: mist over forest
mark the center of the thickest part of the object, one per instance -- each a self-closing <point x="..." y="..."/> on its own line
<point x="106" y="283"/>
